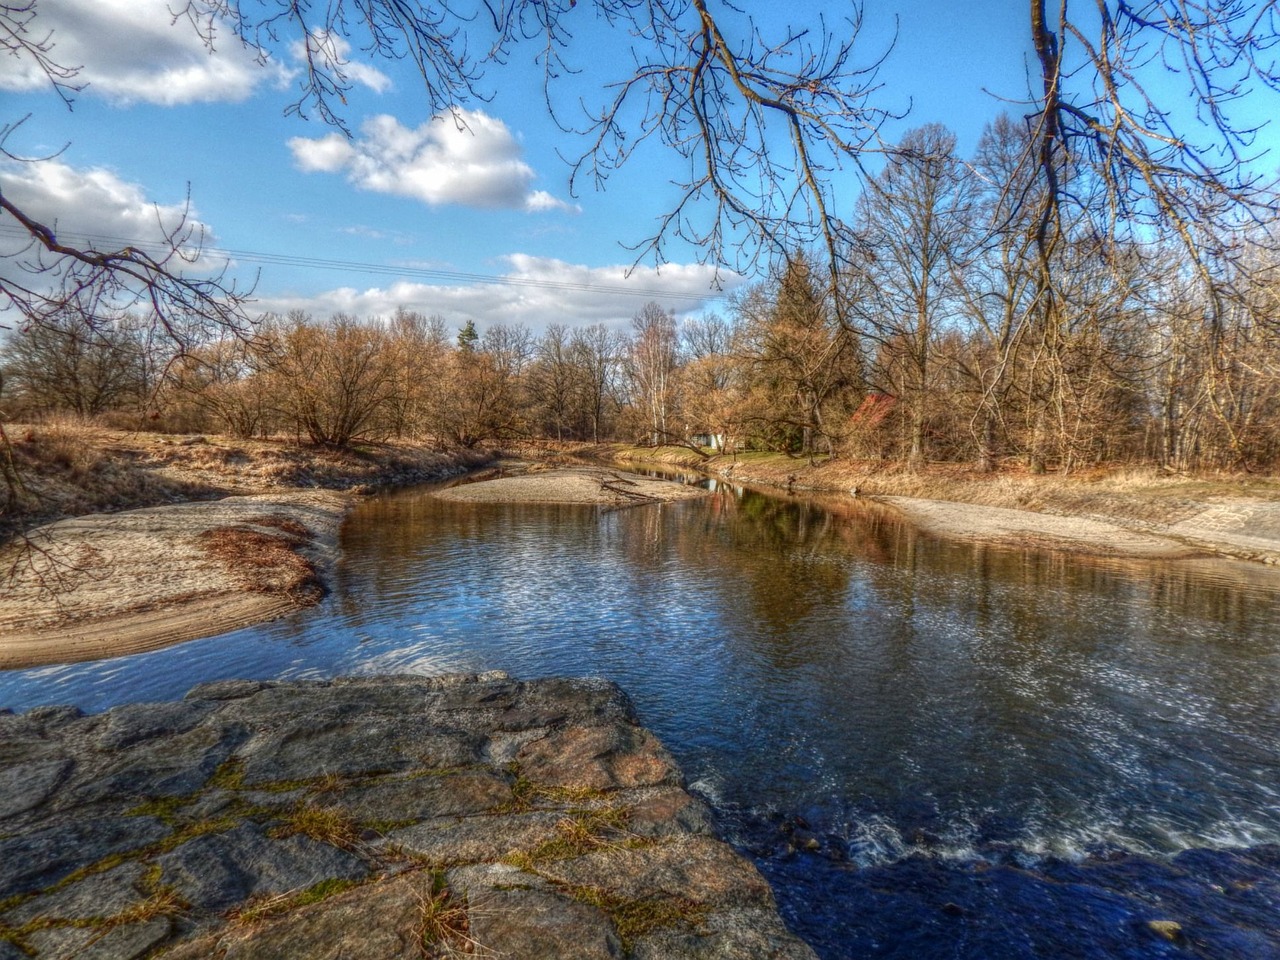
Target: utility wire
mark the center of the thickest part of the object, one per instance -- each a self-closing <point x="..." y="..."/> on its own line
<point x="382" y="269"/>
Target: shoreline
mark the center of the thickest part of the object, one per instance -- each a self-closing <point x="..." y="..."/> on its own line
<point x="1024" y="528"/>
<point x="601" y="486"/>
<point x="1214" y="532"/>
<point x="1139" y="517"/>
<point x="114" y="584"/>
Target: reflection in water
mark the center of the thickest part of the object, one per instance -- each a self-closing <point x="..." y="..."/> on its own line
<point x="948" y="725"/>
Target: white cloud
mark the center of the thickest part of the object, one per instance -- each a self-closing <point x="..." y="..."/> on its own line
<point x="535" y="291"/>
<point x="96" y="204"/>
<point x="462" y="157"/>
<point x="327" y="154"/>
<point x="135" y="51"/>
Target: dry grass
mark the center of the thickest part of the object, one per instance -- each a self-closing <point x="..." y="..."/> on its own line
<point x="282" y="903"/>
<point x="634" y="918"/>
<point x="1121" y="492"/>
<point x="445" y="927"/>
<point x="277" y="521"/>
<point x="265" y="562"/>
<point x="330" y="825"/>
<point x="72" y="467"/>
<point x="577" y="833"/>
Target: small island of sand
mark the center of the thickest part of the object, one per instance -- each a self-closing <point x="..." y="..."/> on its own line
<point x="590" y="485"/>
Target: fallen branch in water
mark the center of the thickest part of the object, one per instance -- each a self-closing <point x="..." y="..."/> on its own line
<point x="615" y="484"/>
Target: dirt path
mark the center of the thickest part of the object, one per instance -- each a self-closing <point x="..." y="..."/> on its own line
<point x="113" y="584"/>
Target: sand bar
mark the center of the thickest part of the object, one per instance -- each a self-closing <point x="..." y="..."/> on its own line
<point x="112" y="584"/>
<point x="1243" y="529"/>
<point x="591" y="485"/>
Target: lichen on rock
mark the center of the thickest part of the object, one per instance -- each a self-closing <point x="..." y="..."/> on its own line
<point x="369" y="818"/>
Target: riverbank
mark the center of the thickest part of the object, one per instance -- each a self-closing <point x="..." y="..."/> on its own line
<point x="373" y="818"/>
<point x="113" y="583"/>
<point x="1133" y="513"/>
<point x="254" y="536"/>
<point x="585" y="485"/>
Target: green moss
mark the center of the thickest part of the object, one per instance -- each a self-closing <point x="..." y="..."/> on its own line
<point x="10" y="935"/>
<point x="150" y="882"/>
<point x="162" y="808"/>
<point x="316" y="893"/>
<point x="163" y="902"/>
<point x="636" y="918"/>
<point x="12" y="901"/>
<point x="523" y="794"/>
<point x="527" y="794"/>
<point x="109" y="862"/>
<point x="324" y="890"/>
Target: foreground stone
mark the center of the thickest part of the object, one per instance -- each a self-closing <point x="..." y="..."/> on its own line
<point x="367" y="819"/>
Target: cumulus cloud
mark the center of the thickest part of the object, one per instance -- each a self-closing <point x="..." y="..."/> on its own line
<point x="535" y="291"/>
<point x="95" y="205"/>
<point x="462" y="157"/>
<point x="134" y="51"/>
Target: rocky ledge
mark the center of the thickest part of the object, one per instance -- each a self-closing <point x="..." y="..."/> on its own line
<point x="367" y="819"/>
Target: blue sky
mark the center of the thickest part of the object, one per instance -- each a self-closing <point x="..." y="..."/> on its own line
<point x="428" y="207"/>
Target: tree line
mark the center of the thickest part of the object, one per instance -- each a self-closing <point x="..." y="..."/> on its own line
<point x="952" y="333"/>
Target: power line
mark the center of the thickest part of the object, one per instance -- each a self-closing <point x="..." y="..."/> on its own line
<point x="382" y="269"/>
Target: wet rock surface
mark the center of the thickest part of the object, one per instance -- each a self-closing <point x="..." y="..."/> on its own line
<point x="376" y="818"/>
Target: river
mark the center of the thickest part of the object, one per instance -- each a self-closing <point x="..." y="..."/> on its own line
<point x="931" y="749"/>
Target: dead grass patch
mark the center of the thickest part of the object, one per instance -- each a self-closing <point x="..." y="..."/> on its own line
<point x="636" y="918"/>
<point x="330" y="825"/>
<point x="282" y="903"/>
<point x="278" y="521"/>
<point x="1116" y="491"/>
<point x="445" y="926"/>
<point x="264" y="562"/>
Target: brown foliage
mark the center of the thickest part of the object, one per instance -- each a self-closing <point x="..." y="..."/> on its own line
<point x="267" y="562"/>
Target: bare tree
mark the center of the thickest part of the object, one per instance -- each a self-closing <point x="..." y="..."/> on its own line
<point x="72" y="364"/>
<point x="997" y="282"/>
<point x="419" y="347"/>
<point x="1137" y="124"/>
<point x="551" y="381"/>
<point x="915" y="231"/>
<point x="710" y="374"/>
<point x="227" y="379"/>
<point x="596" y="353"/>
<point x="332" y="378"/>
<point x="652" y="360"/>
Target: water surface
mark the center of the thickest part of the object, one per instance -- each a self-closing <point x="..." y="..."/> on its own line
<point x="931" y="749"/>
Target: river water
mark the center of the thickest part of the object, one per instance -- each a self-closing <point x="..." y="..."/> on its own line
<point x="931" y="749"/>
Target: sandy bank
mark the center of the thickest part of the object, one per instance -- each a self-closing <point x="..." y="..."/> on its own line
<point x="1245" y="529"/>
<point x="592" y="485"/>
<point x="113" y="584"/>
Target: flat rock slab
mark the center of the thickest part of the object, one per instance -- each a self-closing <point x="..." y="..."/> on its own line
<point x="366" y="818"/>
